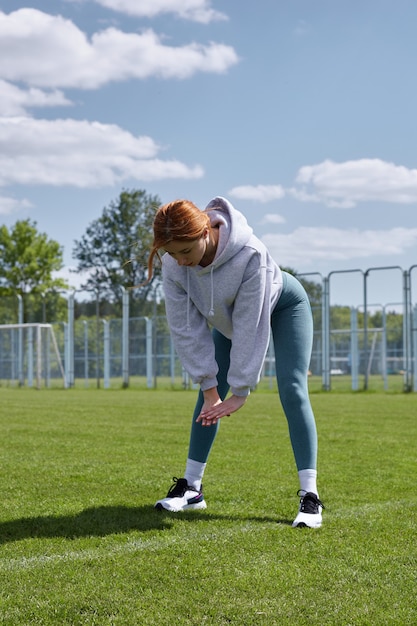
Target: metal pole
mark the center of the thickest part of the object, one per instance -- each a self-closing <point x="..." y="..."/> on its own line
<point x="326" y="382"/>
<point x="354" y="352"/>
<point x="30" y="356"/>
<point x="384" y="348"/>
<point x="66" y="376"/>
<point x="328" y="309"/>
<point x="406" y="331"/>
<point x="365" y="318"/>
<point x="413" y="332"/>
<point x="85" y="323"/>
<point x="365" y="329"/>
<point x="172" y="361"/>
<point x="415" y="347"/>
<point x="20" y="374"/>
<point x="154" y="342"/>
<point x="38" y="357"/>
<point x="97" y="340"/>
<point x="125" y="338"/>
<point x="148" y="352"/>
<point x="71" y="340"/>
<point x="106" y="353"/>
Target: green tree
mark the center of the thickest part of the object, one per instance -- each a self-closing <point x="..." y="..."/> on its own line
<point x="28" y="259"/>
<point x="27" y="262"/>
<point x="115" y="248"/>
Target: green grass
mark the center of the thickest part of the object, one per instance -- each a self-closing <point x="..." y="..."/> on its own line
<point x="80" y="541"/>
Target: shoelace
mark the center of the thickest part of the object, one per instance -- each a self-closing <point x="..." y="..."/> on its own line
<point x="178" y="489"/>
<point x="309" y="502"/>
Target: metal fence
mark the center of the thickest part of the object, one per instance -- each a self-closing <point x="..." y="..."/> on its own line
<point x="103" y="351"/>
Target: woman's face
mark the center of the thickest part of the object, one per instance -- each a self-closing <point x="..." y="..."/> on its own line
<point x="188" y="253"/>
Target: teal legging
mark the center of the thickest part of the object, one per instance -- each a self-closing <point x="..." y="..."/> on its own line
<point x="292" y="333"/>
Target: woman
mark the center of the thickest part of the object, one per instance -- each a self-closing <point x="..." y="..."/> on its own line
<point x="223" y="295"/>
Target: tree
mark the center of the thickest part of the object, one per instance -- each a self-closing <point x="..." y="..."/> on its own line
<point x="115" y="248"/>
<point x="27" y="260"/>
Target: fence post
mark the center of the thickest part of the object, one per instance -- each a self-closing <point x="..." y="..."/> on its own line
<point x="354" y="351"/>
<point x="30" y="356"/>
<point x="414" y="330"/>
<point x="172" y="361"/>
<point x="85" y="325"/>
<point x="326" y="335"/>
<point x="406" y="331"/>
<point x="414" y="333"/>
<point x="149" y="359"/>
<point x="65" y="325"/>
<point x="384" y="348"/>
<point x="70" y="348"/>
<point x="125" y="338"/>
<point x="20" y="358"/>
<point x="106" y="354"/>
<point x="365" y="314"/>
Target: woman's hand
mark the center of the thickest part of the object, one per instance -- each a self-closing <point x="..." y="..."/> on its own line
<point x="214" y="409"/>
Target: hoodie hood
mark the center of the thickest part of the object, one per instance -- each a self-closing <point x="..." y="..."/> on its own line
<point x="234" y="230"/>
<point x="234" y="235"/>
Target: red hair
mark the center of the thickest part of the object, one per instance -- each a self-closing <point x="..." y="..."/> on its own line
<point x="180" y="220"/>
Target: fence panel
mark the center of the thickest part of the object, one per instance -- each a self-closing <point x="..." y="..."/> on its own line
<point x="351" y="349"/>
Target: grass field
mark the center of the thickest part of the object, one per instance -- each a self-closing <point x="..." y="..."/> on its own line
<point x="80" y="541"/>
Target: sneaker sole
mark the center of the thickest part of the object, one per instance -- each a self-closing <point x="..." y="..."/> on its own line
<point x="304" y="525"/>
<point x="188" y="507"/>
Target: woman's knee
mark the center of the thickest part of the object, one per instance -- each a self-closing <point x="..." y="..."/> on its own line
<point x="293" y="395"/>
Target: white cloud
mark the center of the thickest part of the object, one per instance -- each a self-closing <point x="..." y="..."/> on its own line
<point x="11" y="205"/>
<point x="308" y="246"/>
<point x="342" y="185"/>
<point x="273" y="218"/>
<point x="258" y="193"/>
<point x="194" y="10"/>
<point x="15" y="101"/>
<point x="345" y="184"/>
<point x="80" y="153"/>
<point x="50" y="51"/>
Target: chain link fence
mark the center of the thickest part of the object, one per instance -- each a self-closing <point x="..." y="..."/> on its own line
<point x="355" y="347"/>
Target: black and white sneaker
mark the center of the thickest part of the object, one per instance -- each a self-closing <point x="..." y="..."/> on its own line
<point x="309" y="514"/>
<point x="182" y="497"/>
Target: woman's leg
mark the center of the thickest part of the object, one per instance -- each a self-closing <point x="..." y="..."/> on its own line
<point x="202" y="437"/>
<point x="186" y="493"/>
<point x="292" y="329"/>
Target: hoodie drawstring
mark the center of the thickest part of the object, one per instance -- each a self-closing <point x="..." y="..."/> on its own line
<point x="211" y="312"/>
<point x="188" y="327"/>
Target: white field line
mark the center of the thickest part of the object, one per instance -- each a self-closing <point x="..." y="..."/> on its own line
<point x="130" y="547"/>
<point x="160" y="542"/>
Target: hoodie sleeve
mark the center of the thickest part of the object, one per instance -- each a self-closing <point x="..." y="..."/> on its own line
<point x="251" y="327"/>
<point x="195" y="347"/>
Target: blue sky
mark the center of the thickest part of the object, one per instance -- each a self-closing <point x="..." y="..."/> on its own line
<point x="301" y="112"/>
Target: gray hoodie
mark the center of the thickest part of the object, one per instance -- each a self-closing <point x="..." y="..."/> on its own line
<point x="235" y="294"/>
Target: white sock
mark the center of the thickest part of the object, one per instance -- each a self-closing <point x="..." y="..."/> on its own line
<point x="194" y="471"/>
<point x="308" y="480"/>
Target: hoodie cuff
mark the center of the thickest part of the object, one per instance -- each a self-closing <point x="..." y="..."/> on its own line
<point x="208" y="383"/>
<point x="240" y="391"/>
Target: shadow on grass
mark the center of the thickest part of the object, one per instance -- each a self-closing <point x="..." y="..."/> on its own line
<point x="107" y="520"/>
